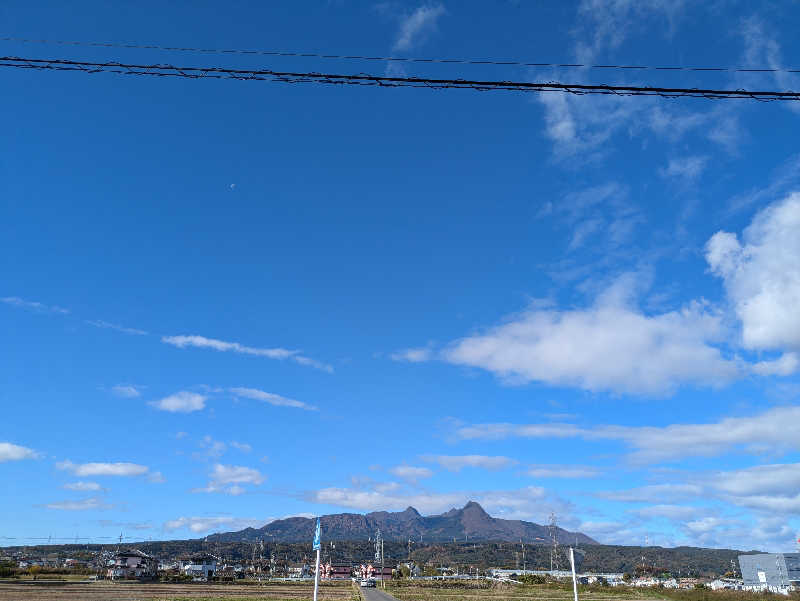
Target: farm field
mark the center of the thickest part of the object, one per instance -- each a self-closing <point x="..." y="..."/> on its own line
<point x="485" y="591"/>
<point x="134" y="591"/>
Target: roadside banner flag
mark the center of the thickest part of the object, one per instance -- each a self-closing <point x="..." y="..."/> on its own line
<point x="316" y="536"/>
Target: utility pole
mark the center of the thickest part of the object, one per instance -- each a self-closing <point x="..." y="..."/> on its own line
<point x="574" y="577"/>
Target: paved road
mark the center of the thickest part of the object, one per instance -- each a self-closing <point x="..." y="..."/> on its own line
<point x="376" y="594"/>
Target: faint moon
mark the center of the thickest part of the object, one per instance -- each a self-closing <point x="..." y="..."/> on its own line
<point x="233" y="186"/>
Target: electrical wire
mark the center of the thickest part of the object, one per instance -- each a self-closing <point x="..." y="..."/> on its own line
<point x="456" y="61"/>
<point x="160" y="70"/>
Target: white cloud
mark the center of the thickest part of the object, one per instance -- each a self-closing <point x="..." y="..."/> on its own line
<point x="514" y="504"/>
<point x="223" y="346"/>
<point x="213" y="448"/>
<point x="16" y="301"/>
<point x="762" y="276"/>
<point x="563" y="471"/>
<point x="412" y="355"/>
<point x="671" y="512"/>
<point x="13" y="452"/>
<point x="651" y="444"/>
<point x="782" y="479"/>
<point x="687" y="168"/>
<point x="455" y="463"/>
<point x="607" y="23"/>
<point x="126" y="391"/>
<point x="181" y="402"/>
<point x="83" y="486"/>
<point x="84" y="505"/>
<point x="410" y="472"/>
<point x="103" y="469"/>
<point x="654" y="493"/>
<point x="99" y="323"/>
<point x="417" y="25"/>
<point x="241" y="446"/>
<point x="600" y="348"/>
<point x="785" y="365"/>
<point x="271" y="398"/>
<point x="229" y="478"/>
<point x="156" y="477"/>
<point x="207" y="524"/>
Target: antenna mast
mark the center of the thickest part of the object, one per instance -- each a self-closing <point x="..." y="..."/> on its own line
<point x="553" y="531"/>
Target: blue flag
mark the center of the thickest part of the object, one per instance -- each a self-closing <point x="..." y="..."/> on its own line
<point x="316" y="536"/>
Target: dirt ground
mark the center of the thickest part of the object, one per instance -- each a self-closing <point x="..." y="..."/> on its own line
<point x="126" y="591"/>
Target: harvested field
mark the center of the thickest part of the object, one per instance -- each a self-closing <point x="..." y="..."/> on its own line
<point x="483" y="590"/>
<point x="134" y="591"/>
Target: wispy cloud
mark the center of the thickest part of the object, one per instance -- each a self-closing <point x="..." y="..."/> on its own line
<point x="83" y="486"/>
<point x="99" y="323"/>
<point x="412" y="355"/>
<point x="241" y="446"/>
<point x="181" y="402"/>
<point x="410" y="473"/>
<point x="417" y="25"/>
<point x="126" y="391"/>
<point x="206" y="524"/>
<point x="92" y="503"/>
<point x="563" y="471"/>
<point x="13" y="452"/>
<point x="455" y="463"/>
<point x="652" y="444"/>
<point x="271" y="398"/>
<point x="184" y="341"/>
<point x="121" y="468"/>
<point x="16" y="301"/>
<point x="686" y="168"/>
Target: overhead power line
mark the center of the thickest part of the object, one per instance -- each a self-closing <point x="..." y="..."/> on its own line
<point x="403" y="59"/>
<point x="157" y="70"/>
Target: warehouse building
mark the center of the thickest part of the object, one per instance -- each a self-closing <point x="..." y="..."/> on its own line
<point x="775" y="572"/>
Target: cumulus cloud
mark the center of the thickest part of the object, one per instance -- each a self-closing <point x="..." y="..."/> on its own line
<point x="83" y="505"/>
<point x="223" y="346"/>
<point x="103" y="469"/>
<point x="417" y="25"/>
<point x="601" y="347"/>
<point x="228" y="479"/>
<point x="181" y="402"/>
<point x="455" y="463"/>
<point x="271" y="398"/>
<point x="652" y="444"/>
<point x="761" y="274"/>
<point x="13" y="452"/>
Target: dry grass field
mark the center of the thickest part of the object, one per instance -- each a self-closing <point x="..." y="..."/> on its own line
<point x="487" y="591"/>
<point x="130" y="591"/>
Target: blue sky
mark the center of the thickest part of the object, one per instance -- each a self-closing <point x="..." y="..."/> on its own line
<point x="229" y="302"/>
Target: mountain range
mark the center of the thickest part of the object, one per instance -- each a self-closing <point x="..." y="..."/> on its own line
<point x="470" y="523"/>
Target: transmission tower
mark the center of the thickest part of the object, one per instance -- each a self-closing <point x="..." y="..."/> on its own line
<point x="378" y="544"/>
<point x="552" y="529"/>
